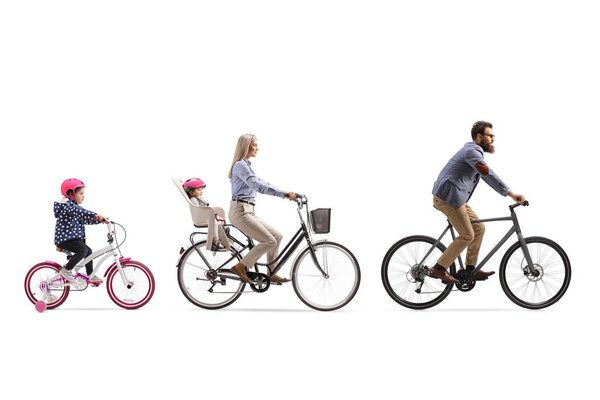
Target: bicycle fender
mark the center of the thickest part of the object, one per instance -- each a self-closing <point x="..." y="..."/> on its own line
<point x="181" y="254"/>
<point x="114" y="265"/>
<point x="54" y="264"/>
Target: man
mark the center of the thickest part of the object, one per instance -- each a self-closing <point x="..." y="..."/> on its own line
<point x="451" y="191"/>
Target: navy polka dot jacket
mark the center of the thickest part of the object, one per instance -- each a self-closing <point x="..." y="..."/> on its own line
<point x="70" y="221"/>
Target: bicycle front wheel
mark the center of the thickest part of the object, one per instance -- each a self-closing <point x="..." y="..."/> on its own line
<point x="333" y="290"/>
<point x="545" y="286"/>
<point x="136" y="290"/>
<point x="405" y="269"/>
<point x="199" y="282"/>
<point x="43" y="279"/>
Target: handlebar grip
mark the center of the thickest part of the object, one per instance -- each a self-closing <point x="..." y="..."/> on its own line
<point x="526" y="203"/>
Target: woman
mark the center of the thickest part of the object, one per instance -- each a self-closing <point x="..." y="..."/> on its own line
<point x="244" y="185"/>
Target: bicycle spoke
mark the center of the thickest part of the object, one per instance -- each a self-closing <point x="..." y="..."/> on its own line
<point x="538" y="285"/>
<point x="195" y="274"/>
<point x="322" y="292"/>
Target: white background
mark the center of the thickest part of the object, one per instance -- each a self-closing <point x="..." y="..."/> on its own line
<point x="358" y="104"/>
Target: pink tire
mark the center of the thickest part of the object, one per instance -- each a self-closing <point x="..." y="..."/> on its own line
<point x="35" y="280"/>
<point x="41" y="306"/>
<point x="139" y="289"/>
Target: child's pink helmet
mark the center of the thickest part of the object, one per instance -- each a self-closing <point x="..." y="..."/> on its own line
<point x="193" y="183"/>
<point x="70" y="184"/>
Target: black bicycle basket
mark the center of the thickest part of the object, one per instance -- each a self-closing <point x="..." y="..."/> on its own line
<point x="320" y="220"/>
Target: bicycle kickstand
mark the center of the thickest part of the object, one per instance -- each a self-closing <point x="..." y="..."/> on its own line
<point x="418" y="289"/>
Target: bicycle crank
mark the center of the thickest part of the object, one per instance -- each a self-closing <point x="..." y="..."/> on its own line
<point x="260" y="282"/>
<point x="467" y="280"/>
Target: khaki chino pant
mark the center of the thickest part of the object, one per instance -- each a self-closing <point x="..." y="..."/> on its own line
<point x="469" y="235"/>
<point x="242" y="217"/>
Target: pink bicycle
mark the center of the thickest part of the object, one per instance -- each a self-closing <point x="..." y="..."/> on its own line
<point x="129" y="283"/>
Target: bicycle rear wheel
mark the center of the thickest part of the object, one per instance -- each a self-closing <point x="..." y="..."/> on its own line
<point x="553" y="270"/>
<point x="401" y="274"/>
<point x="36" y="283"/>
<point x="197" y="280"/>
<point x="337" y="288"/>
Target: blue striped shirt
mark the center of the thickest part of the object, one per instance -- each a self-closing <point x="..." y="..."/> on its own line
<point x="245" y="183"/>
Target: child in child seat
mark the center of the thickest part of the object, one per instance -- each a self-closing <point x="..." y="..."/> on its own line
<point x="70" y="230"/>
<point x="194" y="187"/>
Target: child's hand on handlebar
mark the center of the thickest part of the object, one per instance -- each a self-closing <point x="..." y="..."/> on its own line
<point x="99" y="217"/>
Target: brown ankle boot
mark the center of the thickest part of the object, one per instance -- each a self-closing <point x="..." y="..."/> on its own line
<point x="240" y="270"/>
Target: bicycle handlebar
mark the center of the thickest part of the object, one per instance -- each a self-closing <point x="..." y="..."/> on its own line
<point x="525" y="204"/>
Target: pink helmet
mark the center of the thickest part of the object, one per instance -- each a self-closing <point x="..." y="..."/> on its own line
<point x="70" y="184"/>
<point x="193" y="183"/>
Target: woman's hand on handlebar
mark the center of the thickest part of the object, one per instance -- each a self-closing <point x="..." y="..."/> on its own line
<point x="519" y="198"/>
<point x="291" y="196"/>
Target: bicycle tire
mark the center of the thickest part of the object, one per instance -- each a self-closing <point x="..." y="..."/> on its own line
<point x="142" y="287"/>
<point x="187" y="279"/>
<point x="339" y="266"/>
<point x="544" y="257"/>
<point x="433" y="285"/>
<point x="32" y="283"/>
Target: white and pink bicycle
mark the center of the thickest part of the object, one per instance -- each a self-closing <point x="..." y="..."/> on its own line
<point x="129" y="283"/>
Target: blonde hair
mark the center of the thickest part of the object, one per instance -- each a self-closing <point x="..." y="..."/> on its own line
<point x="242" y="149"/>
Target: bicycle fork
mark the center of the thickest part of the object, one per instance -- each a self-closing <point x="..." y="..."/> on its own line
<point x="313" y="255"/>
<point x="126" y="283"/>
<point x="530" y="267"/>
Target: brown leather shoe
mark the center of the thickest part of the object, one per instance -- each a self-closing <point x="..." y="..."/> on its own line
<point x="483" y="275"/>
<point x="442" y="274"/>
<point x="278" y="279"/>
<point x="240" y="270"/>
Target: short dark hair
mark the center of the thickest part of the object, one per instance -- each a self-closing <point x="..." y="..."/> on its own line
<point x="70" y="192"/>
<point x="479" y="128"/>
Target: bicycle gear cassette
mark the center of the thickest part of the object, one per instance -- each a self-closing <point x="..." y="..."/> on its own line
<point x="467" y="280"/>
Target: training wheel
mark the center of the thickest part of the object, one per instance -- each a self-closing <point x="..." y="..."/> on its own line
<point x="40" y="306"/>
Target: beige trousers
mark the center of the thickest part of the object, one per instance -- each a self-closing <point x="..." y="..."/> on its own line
<point x="469" y="235"/>
<point x="242" y="217"/>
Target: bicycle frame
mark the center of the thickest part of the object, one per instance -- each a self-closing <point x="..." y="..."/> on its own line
<point x="110" y="250"/>
<point x="516" y="228"/>
<point x="303" y="233"/>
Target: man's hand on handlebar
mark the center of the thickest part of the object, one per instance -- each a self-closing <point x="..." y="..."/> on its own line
<point x="519" y="198"/>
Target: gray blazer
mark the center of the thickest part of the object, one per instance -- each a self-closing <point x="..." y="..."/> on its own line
<point x="458" y="179"/>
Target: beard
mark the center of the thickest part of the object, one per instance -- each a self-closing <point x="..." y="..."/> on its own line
<point x="488" y="148"/>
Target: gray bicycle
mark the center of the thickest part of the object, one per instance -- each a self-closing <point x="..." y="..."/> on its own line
<point x="534" y="273"/>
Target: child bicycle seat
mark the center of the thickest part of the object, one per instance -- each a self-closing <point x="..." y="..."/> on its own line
<point x="204" y="217"/>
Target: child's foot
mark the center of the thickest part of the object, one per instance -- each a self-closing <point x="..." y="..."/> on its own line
<point x="94" y="280"/>
<point x="67" y="274"/>
<point x="218" y="247"/>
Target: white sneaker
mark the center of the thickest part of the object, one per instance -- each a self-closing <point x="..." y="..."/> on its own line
<point x="67" y="274"/>
<point x="94" y="280"/>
